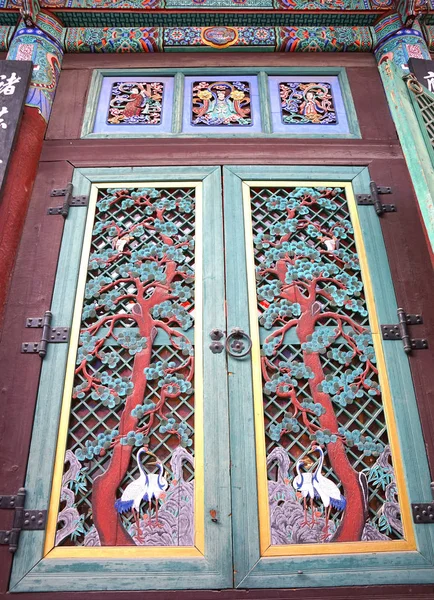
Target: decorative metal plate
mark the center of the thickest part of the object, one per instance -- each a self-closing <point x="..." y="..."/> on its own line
<point x="423" y="512"/>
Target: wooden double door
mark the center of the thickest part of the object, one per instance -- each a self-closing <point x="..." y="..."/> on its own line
<point x="226" y="412"/>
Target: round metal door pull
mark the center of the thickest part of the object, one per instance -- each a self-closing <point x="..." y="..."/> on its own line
<point x="238" y="343"/>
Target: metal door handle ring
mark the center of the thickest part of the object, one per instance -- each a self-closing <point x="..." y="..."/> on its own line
<point x="238" y="343"/>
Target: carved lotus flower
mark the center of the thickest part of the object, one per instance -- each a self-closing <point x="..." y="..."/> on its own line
<point x="204" y="94"/>
<point x="237" y="95"/>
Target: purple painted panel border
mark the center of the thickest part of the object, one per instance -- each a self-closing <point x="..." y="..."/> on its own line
<point x="331" y="130"/>
<point x="101" y="126"/>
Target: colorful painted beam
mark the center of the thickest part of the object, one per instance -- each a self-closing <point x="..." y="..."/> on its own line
<point x="207" y="5"/>
<point x="397" y="43"/>
<point x="203" y="13"/>
<point x="429" y="36"/>
<point x="279" y="39"/>
<point x="6" y="33"/>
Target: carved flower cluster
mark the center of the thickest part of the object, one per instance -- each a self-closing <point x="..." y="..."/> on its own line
<point x="132" y="341"/>
<point x="297" y="369"/>
<point x="141" y="409"/>
<point x="341" y="388"/>
<point x="324" y="436"/>
<point x="279" y="384"/>
<point x="320" y="340"/>
<point x="134" y="438"/>
<point x="365" y="346"/>
<point x="287" y="424"/>
<point x="175" y="384"/>
<point x="182" y="430"/>
<point x="317" y="408"/>
<point x="281" y="310"/>
<point x="87" y="343"/>
<point x="91" y="449"/>
<point x="364" y="443"/>
<point x="112" y="390"/>
<point x="158" y="369"/>
<point x="173" y="312"/>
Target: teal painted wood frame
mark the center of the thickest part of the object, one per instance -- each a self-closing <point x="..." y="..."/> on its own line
<point x="31" y="571"/>
<point x="414" y="146"/>
<point x="178" y="100"/>
<point x="252" y="570"/>
<point x="420" y="120"/>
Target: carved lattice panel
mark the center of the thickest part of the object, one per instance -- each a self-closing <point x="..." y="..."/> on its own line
<point x="307" y="103"/>
<point x="135" y="103"/>
<point x="425" y="102"/>
<point x="134" y="377"/>
<point x="320" y="384"/>
<point x="221" y="103"/>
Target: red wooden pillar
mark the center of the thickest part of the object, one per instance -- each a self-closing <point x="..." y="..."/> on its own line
<point x="41" y="43"/>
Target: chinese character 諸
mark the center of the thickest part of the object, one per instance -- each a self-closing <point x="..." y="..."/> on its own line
<point x="3" y="111"/>
<point x="430" y="81"/>
<point x="8" y="87"/>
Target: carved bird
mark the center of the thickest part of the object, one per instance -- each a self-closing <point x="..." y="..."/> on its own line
<point x="302" y="484"/>
<point x="146" y="487"/>
<point x="326" y="490"/>
<point x="158" y="484"/>
<point x="120" y="243"/>
<point x="330" y="243"/>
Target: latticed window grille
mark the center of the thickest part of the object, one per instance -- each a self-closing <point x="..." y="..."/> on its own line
<point x="321" y="392"/>
<point x="425" y="103"/>
<point x="134" y="375"/>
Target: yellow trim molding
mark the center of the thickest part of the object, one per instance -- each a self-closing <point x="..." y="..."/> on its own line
<point x="266" y="548"/>
<point x="52" y="551"/>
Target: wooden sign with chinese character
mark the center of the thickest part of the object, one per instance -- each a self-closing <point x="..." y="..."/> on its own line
<point x="423" y="71"/>
<point x="14" y="83"/>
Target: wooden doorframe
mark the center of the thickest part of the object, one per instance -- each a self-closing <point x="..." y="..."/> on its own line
<point x="36" y="263"/>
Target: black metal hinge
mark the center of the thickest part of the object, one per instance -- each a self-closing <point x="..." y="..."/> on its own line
<point x="423" y="512"/>
<point x="69" y="201"/>
<point x="400" y="331"/>
<point x="50" y="335"/>
<point x="374" y="198"/>
<point x="24" y="519"/>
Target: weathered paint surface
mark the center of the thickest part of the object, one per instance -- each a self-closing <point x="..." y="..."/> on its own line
<point x="415" y="151"/>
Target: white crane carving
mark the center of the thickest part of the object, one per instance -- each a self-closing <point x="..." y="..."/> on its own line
<point x="326" y="490"/>
<point x="147" y="486"/>
<point x="302" y="484"/>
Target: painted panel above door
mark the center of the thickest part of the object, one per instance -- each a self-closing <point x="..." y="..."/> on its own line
<point x="247" y="101"/>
